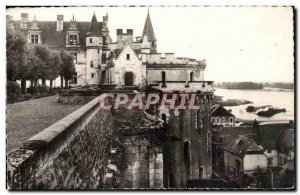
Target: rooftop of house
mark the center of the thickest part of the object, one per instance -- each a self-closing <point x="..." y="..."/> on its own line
<point x="54" y="38"/>
<point x="219" y="111"/>
<point x="244" y="145"/>
<point x="269" y="133"/>
<point x="226" y="135"/>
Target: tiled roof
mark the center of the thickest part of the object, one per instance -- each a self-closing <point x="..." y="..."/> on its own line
<point x="243" y="145"/>
<point x="58" y="39"/>
<point x="268" y="134"/>
<point x="286" y="139"/>
<point x="228" y="134"/>
<point x="219" y="111"/>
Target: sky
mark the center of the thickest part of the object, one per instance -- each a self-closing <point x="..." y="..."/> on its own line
<point x="239" y="43"/>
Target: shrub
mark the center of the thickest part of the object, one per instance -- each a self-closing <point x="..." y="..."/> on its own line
<point x="13" y="91"/>
<point x="27" y="96"/>
<point x="43" y="88"/>
<point x="32" y="90"/>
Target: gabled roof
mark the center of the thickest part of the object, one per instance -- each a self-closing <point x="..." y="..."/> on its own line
<point x="218" y="110"/>
<point x="243" y="145"/>
<point x="269" y="133"/>
<point x="286" y="140"/>
<point x="118" y="52"/>
<point x="148" y="29"/>
<point x="228" y="134"/>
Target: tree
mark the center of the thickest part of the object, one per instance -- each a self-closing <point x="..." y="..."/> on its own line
<point x="44" y="54"/>
<point x="16" y="57"/>
<point x="56" y="65"/>
<point x="68" y="68"/>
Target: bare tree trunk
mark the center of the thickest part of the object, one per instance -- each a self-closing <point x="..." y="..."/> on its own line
<point x="36" y="82"/>
<point x="31" y="83"/>
<point x="61" y="82"/>
<point x="23" y="86"/>
<point x="66" y="83"/>
<point x="51" y="84"/>
<point x="43" y="81"/>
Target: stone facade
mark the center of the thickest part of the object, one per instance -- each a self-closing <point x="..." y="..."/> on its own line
<point x="98" y="60"/>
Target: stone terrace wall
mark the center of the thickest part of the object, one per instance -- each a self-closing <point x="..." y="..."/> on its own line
<point x="70" y="154"/>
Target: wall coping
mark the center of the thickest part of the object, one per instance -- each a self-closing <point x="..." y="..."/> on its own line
<point x="48" y="134"/>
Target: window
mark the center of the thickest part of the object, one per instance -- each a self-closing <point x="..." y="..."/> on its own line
<point x="218" y="120"/>
<point x="128" y="57"/>
<point x="34" y="39"/>
<point x="103" y="58"/>
<point x="98" y="51"/>
<point x="91" y="40"/>
<point x="163" y="78"/>
<point x="237" y="164"/>
<point x="231" y="120"/>
<point x="153" y="44"/>
<point x="192" y="75"/>
<point x="92" y="64"/>
<point x="92" y="75"/>
<point x="73" y="39"/>
<point x="74" y="78"/>
<point x="213" y="120"/>
<point x="270" y="161"/>
<point x="187" y="158"/>
<point x="164" y="118"/>
<point x="223" y="119"/>
<point x="74" y="57"/>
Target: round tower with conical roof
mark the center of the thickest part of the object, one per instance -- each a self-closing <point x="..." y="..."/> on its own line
<point x="94" y="44"/>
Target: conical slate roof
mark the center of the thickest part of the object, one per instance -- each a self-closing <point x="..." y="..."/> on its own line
<point x="148" y="29"/>
<point x="94" y="26"/>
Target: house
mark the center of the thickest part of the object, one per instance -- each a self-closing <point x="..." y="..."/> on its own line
<point x="221" y="117"/>
<point x="243" y="156"/>
<point x="276" y="138"/>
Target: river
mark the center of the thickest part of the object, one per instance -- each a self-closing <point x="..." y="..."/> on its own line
<point x="268" y="96"/>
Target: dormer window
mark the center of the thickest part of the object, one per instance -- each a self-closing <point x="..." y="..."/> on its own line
<point x="34" y="39"/>
<point x="128" y="57"/>
<point x="73" y="40"/>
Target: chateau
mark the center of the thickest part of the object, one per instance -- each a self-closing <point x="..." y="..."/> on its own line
<point x="134" y="63"/>
<point x="130" y="61"/>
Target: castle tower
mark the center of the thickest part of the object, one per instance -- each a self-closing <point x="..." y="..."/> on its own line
<point x="148" y="30"/>
<point x="94" y="44"/>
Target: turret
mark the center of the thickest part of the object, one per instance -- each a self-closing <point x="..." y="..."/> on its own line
<point x="148" y="30"/>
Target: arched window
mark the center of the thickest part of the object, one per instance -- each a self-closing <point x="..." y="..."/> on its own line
<point x="201" y="172"/>
<point x="163" y="77"/>
<point x="128" y="79"/>
<point x="192" y="76"/>
<point x="164" y="118"/>
<point x="186" y="155"/>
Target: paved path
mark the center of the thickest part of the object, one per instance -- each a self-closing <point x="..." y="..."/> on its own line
<point x="25" y="119"/>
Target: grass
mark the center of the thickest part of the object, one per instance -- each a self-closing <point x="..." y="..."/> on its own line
<point x="25" y="119"/>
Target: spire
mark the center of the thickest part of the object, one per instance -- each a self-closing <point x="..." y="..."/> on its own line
<point x="94" y="26"/>
<point x="148" y="29"/>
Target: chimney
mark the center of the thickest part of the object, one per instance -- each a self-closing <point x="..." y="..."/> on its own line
<point x="24" y="20"/>
<point x="60" y="23"/>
